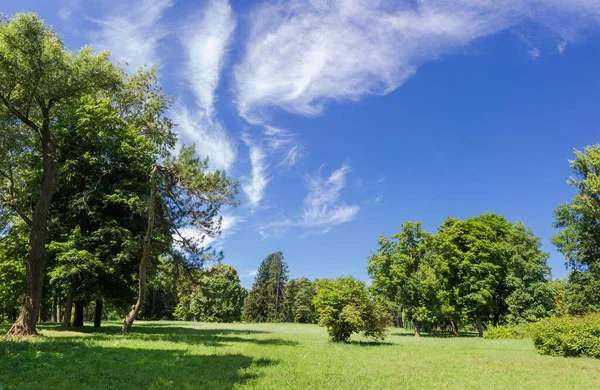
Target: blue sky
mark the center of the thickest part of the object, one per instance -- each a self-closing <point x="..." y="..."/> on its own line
<point x="342" y="119"/>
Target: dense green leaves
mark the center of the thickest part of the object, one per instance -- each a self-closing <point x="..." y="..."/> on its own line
<point x="265" y="302"/>
<point x="217" y="296"/>
<point x="344" y="306"/>
<point x="579" y="238"/>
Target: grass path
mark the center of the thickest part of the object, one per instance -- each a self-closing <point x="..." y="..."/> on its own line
<point x="185" y="355"/>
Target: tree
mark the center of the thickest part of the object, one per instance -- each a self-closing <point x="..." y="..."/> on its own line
<point x="344" y="306"/>
<point x="474" y="259"/>
<point x="299" y="294"/>
<point x="188" y="196"/>
<point x="217" y="297"/>
<point x="579" y="238"/>
<point x="265" y="301"/>
<point x="404" y="272"/>
<point x="37" y="76"/>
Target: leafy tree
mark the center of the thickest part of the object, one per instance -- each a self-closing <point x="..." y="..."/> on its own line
<point x="299" y="294"/>
<point x="12" y="270"/>
<point x="38" y="76"/>
<point x="579" y="238"/>
<point x="265" y="302"/>
<point x="404" y="272"/>
<point x="344" y="306"/>
<point x="217" y="297"/>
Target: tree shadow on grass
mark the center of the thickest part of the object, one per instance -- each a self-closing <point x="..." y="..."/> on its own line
<point x="368" y="343"/>
<point x="438" y="335"/>
<point x="67" y="364"/>
<point x="178" y="334"/>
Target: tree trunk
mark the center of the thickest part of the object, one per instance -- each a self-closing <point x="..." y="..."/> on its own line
<point x="54" y="306"/>
<point x="145" y="256"/>
<point x="479" y="327"/>
<point x="36" y="251"/>
<point x="417" y="329"/>
<point x="454" y="327"/>
<point x="78" y="320"/>
<point x="68" y="310"/>
<point x="98" y="313"/>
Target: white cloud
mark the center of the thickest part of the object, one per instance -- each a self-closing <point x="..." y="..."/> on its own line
<point x="535" y="53"/>
<point x="229" y="225"/>
<point x="303" y="53"/>
<point x="255" y="185"/>
<point x="209" y="136"/>
<point x="133" y="33"/>
<point x="322" y="209"/>
<point x="67" y="7"/>
<point x="205" y="40"/>
<point x="251" y="273"/>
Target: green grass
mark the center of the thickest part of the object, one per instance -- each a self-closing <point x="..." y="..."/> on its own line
<point x="185" y="355"/>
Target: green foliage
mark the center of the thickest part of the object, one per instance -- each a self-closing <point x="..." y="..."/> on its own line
<point x="12" y="270"/>
<point x="216" y="297"/>
<point x="568" y="336"/>
<point x="299" y="295"/>
<point x="404" y="271"/>
<point x="266" y="299"/>
<point x="479" y="270"/>
<point x="344" y="306"/>
<point x="579" y="238"/>
<point x="522" y="331"/>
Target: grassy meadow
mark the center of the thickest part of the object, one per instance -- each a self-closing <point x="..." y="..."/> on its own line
<point x="187" y="355"/>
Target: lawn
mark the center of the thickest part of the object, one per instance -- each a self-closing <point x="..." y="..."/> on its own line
<point x="186" y="355"/>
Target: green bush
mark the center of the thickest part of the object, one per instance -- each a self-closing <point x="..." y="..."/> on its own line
<point x="568" y="336"/>
<point x="344" y="306"/>
<point x="522" y="331"/>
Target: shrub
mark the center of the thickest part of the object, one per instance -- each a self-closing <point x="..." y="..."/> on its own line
<point x="568" y="336"/>
<point x="522" y="331"/>
<point x="345" y="307"/>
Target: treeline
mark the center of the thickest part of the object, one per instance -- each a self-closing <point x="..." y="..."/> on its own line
<point x="92" y="193"/>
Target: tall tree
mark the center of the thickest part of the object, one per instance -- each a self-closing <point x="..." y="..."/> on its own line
<point x="265" y="301"/>
<point x="404" y="272"/>
<point x="188" y="195"/>
<point x="38" y="75"/>
<point x="298" y="306"/>
<point x="579" y="238"/>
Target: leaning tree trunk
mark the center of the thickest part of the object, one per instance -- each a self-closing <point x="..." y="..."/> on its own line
<point x="454" y="327"/>
<point x="479" y="327"/>
<point x="98" y="313"/>
<point x="145" y="256"/>
<point x="36" y="252"/>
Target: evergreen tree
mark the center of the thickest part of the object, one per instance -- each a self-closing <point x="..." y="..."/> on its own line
<point x="265" y="302"/>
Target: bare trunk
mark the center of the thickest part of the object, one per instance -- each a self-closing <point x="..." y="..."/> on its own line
<point x="98" y="313"/>
<point x="36" y="252"/>
<point x="54" y="306"/>
<point x="479" y="327"/>
<point x="78" y="319"/>
<point x="145" y="256"/>
<point x="454" y="327"/>
<point x="68" y="310"/>
<point x="417" y="329"/>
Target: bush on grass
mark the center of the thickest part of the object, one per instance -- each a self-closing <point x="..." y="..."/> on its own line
<point x="522" y="331"/>
<point x="568" y="336"/>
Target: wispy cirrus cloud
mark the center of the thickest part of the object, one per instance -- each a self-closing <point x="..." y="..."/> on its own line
<point x="302" y="53"/>
<point x="255" y="184"/>
<point x="206" y="39"/>
<point x="133" y="32"/>
<point x="322" y="210"/>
